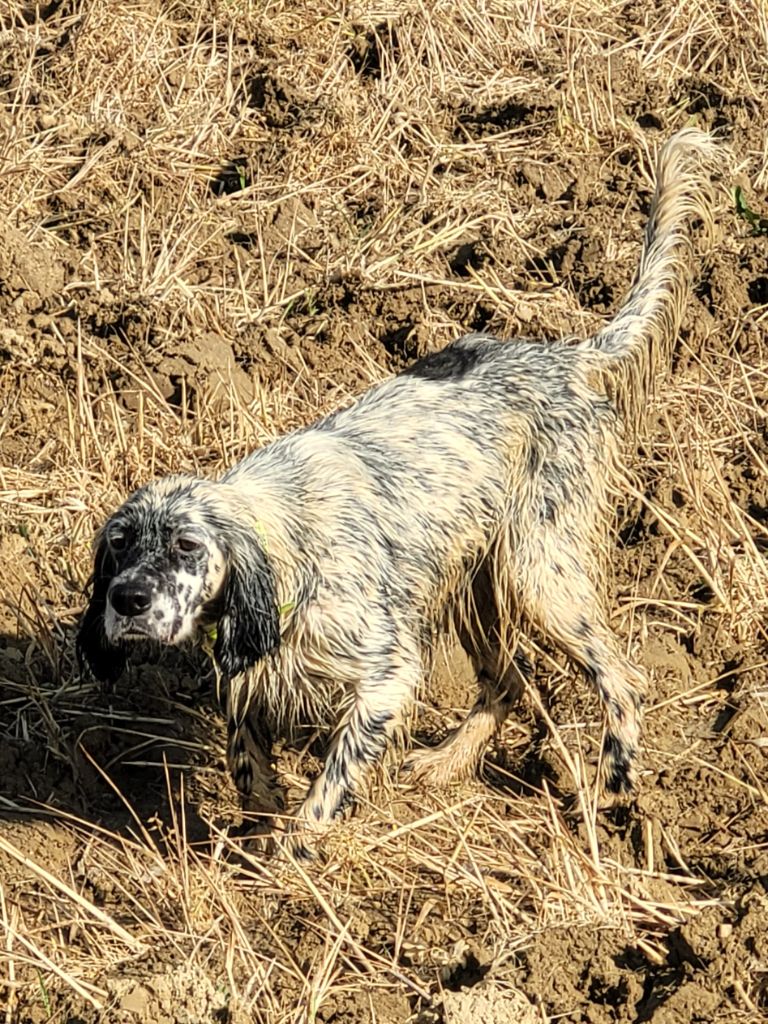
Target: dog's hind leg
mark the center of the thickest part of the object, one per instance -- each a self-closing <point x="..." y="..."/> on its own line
<point x="459" y="755"/>
<point x="500" y="677"/>
<point x="555" y="590"/>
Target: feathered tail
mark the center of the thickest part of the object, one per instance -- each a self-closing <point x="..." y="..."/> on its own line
<point x="638" y="341"/>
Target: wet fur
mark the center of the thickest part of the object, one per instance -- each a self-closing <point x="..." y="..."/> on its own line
<point x="472" y="489"/>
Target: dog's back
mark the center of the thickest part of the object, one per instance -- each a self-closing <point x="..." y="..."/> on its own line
<point x="486" y="439"/>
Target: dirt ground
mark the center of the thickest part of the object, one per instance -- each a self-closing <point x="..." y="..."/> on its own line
<point x="218" y="220"/>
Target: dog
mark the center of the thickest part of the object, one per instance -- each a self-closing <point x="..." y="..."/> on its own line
<point x="473" y="489"/>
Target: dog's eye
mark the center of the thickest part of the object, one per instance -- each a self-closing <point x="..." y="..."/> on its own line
<point x="188" y="544"/>
<point x="118" y="540"/>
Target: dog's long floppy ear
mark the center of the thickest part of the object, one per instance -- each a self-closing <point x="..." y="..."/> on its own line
<point x="105" y="660"/>
<point x="249" y="625"/>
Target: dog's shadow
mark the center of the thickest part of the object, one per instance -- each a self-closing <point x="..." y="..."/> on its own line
<point x="124" y="758"/>
<point x="149" y="751"/>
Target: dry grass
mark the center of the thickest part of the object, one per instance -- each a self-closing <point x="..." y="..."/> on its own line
<point x="218" y="221"/>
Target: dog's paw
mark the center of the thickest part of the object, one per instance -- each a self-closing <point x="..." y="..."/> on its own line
<point x="416" y="766"/>
<point x="436" y="766"/>
<point x="296" y="847"/>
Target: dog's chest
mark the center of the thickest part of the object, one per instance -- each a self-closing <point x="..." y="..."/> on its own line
<point x="308" y="681"/>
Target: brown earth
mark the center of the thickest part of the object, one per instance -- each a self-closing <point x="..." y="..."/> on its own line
<point x="218" y="220"/>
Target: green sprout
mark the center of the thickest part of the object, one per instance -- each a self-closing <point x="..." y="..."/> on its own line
<point x="758" y="224"/>
<point x="44" y="991"/>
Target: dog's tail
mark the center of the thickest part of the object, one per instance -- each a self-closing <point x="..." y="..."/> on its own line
<point x="638" y="342"/>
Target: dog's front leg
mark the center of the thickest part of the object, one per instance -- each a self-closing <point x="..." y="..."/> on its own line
<point x="358" y="742"/>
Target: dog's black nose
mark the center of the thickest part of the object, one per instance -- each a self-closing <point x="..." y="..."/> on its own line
<point x="130" y="599"/>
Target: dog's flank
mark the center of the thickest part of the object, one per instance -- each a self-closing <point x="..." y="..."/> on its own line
<point x="473" y="489"/>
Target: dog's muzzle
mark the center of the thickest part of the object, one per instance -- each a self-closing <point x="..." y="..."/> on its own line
<point x="131" y="599"/>
<point x="131" y="612"/>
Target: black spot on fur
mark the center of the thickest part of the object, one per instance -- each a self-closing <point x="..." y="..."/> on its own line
<point x="302" y="853"/>
<point x="361" y="745"/>
<point x="450" y="364"/>
<point x="592" y="673"/>
<point x="584" y="630"/>
<point x="373" y="726"/>
<point x="344" y="801"/>
<point x="550" y="510"/>
<point x="620" y="757"/>
<point x="616" y="710"/>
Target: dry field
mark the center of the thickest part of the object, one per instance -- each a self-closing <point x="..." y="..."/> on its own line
<point x="218" y="219"/>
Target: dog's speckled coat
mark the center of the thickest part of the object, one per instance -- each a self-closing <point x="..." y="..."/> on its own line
<point x="473" y="488"/>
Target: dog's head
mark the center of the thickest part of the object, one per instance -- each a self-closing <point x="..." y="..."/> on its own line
<point x="178" y="558"/>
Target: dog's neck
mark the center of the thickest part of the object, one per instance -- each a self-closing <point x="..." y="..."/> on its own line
<point x="277" y="531"/>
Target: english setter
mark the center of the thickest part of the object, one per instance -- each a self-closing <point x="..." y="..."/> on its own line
<point x="471" y="489"/>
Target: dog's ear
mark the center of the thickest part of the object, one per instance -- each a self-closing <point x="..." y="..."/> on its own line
<point x="249" y="625"/>
<point x="105" y="660"/>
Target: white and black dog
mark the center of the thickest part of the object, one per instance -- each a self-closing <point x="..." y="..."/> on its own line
<point x="472" y="489"/>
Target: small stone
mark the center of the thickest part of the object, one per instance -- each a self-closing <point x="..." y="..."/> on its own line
<point x="135" y="1001"/>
